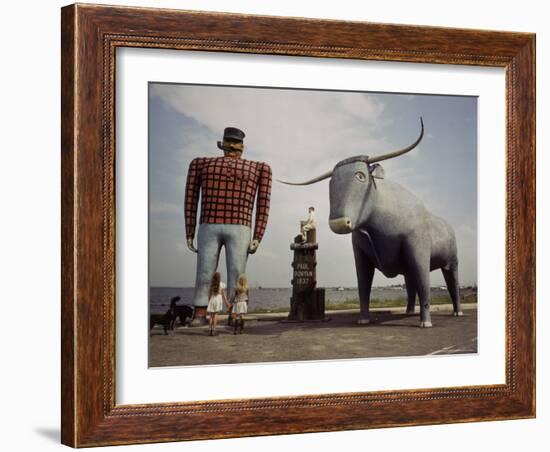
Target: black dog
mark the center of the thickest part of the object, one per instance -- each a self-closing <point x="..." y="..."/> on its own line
<point x="166" y="320"/>
<point x="183" y="312"/>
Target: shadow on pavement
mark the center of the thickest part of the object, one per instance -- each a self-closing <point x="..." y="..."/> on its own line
<point x="335" y="321"/>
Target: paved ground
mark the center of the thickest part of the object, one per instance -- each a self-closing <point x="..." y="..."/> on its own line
<point x="268" y="338"/>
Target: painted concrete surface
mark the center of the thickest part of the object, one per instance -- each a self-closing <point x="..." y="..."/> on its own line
<point x="269" y="338"/>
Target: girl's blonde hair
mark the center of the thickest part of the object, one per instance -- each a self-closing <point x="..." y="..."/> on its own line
<point x="214" y="288"/>
<point x="242" y="284"/>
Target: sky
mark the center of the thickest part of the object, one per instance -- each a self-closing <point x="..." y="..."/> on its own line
<point x="301" y="134"/>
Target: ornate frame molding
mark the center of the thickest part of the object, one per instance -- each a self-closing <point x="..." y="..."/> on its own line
<point x="90" y="37"/>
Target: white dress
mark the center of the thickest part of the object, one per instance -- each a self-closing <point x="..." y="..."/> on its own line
<point x="241" y="303"/>
<point x="215" y="304"/>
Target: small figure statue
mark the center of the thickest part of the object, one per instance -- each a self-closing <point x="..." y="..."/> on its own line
<point x="309" y="224"/>
<point x="307" y="302"/>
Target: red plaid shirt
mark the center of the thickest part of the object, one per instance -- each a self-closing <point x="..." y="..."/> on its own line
<point x="228" y="187"/>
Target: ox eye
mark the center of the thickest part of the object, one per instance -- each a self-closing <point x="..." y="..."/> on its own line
<point x="360" y="175"/>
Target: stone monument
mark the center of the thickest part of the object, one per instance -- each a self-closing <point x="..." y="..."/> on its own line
<point x="307" y="302"/>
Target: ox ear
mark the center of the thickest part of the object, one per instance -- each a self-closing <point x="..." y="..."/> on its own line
<point x="377" y="171"/>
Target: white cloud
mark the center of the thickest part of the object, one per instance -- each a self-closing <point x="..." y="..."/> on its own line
<point x="301" y="134"/>
<point x="337" y="124"/>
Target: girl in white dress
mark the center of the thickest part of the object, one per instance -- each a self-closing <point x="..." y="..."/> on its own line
<point x="240" y="304"/>
<point x="216" y="299"/>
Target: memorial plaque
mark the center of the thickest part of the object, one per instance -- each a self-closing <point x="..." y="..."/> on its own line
<point x="304" y="276"/>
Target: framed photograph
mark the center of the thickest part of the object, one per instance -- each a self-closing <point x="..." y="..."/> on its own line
<point x="282" y="225"/>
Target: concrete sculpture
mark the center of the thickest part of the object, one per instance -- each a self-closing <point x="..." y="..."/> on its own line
<point x="391" y="230"/>
<point x="228" y="187"/>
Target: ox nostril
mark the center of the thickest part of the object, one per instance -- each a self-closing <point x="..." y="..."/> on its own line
<point x="342" y="225"/>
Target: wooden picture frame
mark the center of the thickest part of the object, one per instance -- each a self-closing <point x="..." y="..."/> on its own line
<point x="90" y="36"/>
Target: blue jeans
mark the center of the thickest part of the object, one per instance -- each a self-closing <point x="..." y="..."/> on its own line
<point x="211" y="238"/>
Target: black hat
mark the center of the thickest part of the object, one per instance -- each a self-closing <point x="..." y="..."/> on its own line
<point x="232" y="134"/>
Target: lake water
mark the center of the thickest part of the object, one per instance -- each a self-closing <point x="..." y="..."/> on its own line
<point x="267" y="298"/>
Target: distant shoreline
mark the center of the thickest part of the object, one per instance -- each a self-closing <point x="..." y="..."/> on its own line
<point x="277" y="300"/>
<point x="374" y="304"/>
<point x="395" y="287"/>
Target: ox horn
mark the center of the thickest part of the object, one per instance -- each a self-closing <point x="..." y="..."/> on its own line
<point x="389" y="155"/>
<point x="309" y="182"/>
<point x="371" y="160"/>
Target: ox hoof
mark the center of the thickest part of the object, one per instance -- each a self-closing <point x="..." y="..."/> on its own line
<point x="425" y="324"/>
<point x="458" y="314"/>
<point x="363" y="321"/>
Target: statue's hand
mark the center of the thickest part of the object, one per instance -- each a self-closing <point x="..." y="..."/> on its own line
<point x="190" y="245"/>
<point x="253" y="246"/>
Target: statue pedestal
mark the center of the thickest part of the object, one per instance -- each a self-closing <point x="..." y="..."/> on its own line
<point x="307" y="302"/>
<point x="199" y="316"/>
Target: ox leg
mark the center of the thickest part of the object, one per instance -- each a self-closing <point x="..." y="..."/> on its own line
<point x="365" y="274"/>
<point x="411" y="294"/>
<point x="423" y="284"/>
<point x="419" y="269"/>
<point x="451" y="279"/>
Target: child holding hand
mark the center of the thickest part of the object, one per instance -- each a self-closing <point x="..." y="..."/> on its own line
<point x="216" y="299"/>
<point x="240" y="304"/>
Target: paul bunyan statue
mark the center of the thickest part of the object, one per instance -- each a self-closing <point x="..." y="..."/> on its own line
<point x="228" y="187"/>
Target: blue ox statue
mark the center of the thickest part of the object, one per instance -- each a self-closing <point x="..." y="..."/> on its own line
<point x="391" y="230"/>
